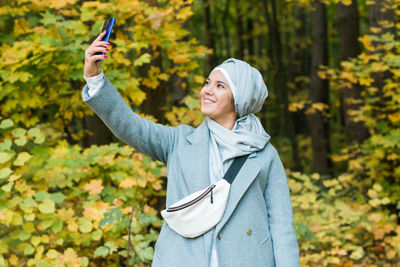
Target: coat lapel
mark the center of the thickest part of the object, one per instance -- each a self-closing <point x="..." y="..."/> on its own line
<point x="243" y="180"/>
<point x="194" y="159"/>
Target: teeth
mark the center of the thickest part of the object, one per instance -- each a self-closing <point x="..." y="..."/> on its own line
<point x="208" y="101"/>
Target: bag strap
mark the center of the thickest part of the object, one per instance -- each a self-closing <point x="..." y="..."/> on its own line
<point x="235" y="167"/>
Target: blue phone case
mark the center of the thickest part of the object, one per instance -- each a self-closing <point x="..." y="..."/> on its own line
<point x="108" y="25"/>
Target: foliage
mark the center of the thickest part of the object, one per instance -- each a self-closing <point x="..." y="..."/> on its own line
<point x="42" y="54"/>
<point x="336" y="226"/>
<point x="376" y="160"/>
<point x="62" y="204"/>
<point x="353" y="218"/>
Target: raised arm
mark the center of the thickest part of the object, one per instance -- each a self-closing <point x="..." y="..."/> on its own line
<point x="280" y="215"/>
<point x="153" y="139"/>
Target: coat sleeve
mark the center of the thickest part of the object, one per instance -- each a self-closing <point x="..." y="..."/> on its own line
<point x="280" y="215"/>
<point x="145" y="136"/>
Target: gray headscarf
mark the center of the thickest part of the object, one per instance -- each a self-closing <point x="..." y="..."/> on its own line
<point x="249" y="93"/>
<point x="247" y="135"/>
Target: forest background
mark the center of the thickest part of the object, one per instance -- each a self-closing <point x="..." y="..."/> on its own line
<point x="67" y="185"/>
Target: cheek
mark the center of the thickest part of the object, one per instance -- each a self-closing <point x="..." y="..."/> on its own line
<point x="226" y="104"/>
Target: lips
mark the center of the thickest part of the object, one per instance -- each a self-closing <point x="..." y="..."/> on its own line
<point x="208" y="101"/>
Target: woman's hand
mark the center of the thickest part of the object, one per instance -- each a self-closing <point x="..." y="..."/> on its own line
<point x="91" y="66"/>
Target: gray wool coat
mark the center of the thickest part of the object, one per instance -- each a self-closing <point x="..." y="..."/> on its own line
<point x="256" y="229"/>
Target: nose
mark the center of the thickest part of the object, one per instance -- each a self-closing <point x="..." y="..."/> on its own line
<point x="208" y="89"/>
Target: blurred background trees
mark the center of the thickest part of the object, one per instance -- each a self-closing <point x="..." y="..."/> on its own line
<point x="332" y="69"/>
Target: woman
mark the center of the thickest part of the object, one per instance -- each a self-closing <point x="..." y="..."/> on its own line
<point x="256" y="228"/>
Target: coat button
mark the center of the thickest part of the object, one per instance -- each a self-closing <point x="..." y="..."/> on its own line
<point x="249" y="232"/>
<point x="219" y="236"/>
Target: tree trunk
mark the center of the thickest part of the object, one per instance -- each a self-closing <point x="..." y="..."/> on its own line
<point x="239" y="30"/>
<point x="101" y="134"/>
<point x="270" y="43"/>
<point x="210" y="36"/>
<point x="319" y="91"/>
<point x="225" y="28"/>
<point x="301" y="63"/>
<point x="349" y="48"/>
<point x="250" y="40"/>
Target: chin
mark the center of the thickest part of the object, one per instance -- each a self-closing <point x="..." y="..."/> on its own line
<point x="206" y="112"/>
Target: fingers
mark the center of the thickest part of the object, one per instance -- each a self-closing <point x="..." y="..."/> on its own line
<point x="100" y="43"/>
<point x="92" y="50"/>
<point x="100" y="36"/>
<point x="96" y="57"/>
<point x="97" y="46"/>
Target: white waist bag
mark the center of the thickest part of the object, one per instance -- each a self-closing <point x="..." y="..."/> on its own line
<point x="198" y="212"/>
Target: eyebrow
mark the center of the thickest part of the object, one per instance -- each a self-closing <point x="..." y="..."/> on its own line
<point x="217" y="81"/>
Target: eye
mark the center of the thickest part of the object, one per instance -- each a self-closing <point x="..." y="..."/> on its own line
<point x="221" y="85"/>
<point x="206" y="82"/>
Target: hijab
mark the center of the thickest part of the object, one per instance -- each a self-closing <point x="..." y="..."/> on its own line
<point x="247" y="135"/>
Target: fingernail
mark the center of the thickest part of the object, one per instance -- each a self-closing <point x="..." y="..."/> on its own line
<point x="107" y="49"/>
<point x="104" y="31"/>
<point x="108" y="44"/>
<point x="105" y="56"/>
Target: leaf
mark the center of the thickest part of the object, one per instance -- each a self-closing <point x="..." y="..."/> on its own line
<point x="41" y="196"/>
<point x="57" y="226"/>
<point x="19" y="76"/>
<point x="21" y="141"/>
<point x="97" y="234"/>
<point x="35" y="240"/>
<point x="4" y="157"/>
<point x="85" y="225"/>
<point x="29" y="250"/>
<point x="22" y="158"/>
<point x="357" y="254"/>
<point x="111" y="246"/>
<point x="147" y="253"/>
<point x="6" y="145"/>
<point x="7" y="187"/>
<point x="127" y="183"/>
<point x="52" y="254"/>
<point x="37" y="135"/>
<point x="7" y="123"/>
<point x="48" y="206"/>
<point x="18" y="132"/>
<point x="94" y="187"/>
<point x="145" y="58"/>
<point x="101" y="251"/>
<point x="58" y="197"/>
<point x="5" y="172"/>
<point x="191" y="102"/>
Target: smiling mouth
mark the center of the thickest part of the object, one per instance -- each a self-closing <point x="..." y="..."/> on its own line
<point x="208" y="101"/>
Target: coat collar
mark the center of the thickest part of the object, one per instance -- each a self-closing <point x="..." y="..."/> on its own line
<point x="194" y="156"/>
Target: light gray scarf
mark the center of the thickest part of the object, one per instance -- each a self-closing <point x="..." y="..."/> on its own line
<point x="247" y="135"/>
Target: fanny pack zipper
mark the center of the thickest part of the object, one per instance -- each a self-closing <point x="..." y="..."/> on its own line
<point x="193" y="201"/>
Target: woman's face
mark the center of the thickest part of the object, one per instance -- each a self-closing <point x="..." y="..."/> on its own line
<point x="216" y="99"/>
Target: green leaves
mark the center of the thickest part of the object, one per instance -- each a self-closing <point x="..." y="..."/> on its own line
<point x="4" y="157"/>
<point x="7" y="123"/>
<point x="48" y="206"/>
<point x="22" y="158"/>
<point x="32" y="199"/>
<point x="144" y="58"/>
<point x="101" y="251"/>
<point x="85" y="225"/>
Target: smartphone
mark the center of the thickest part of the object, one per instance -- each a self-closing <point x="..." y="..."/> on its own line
<point x="108" y="25"/>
